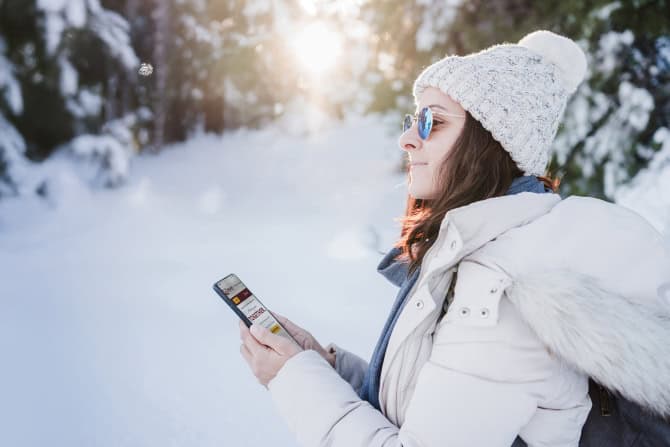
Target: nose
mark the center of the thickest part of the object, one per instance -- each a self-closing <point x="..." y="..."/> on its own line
<point x="409" y="140"/>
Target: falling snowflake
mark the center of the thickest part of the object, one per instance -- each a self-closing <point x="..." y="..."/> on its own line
<point x="145" y="69"/>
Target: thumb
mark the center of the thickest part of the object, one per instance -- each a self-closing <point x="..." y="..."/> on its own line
<point x="288" y="324"/>
<point x="292" y="328"/>
<point x="283" y="320"/>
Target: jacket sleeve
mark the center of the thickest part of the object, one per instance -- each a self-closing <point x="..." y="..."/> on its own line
<point x="322" y="409"/>
<point x="349" y="366"/>
<point x="477" y="388"/>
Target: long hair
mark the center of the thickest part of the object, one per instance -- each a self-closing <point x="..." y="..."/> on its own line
<point x="476" y="168"/>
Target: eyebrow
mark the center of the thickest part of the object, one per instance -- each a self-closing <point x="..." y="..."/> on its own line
<point x="441" y="107"/>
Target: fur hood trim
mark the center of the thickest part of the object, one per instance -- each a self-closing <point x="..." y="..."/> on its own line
<point x="621" y="343"/>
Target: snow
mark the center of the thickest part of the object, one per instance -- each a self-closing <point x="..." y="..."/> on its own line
<point x="437" y="17"/>
<point x="386" y="63"/>
<point x="610" y="45"/>
<point x="54" y="27"/>
<point x="75" y="12"/>
<point x="637" y="103"/>
<point x="199" y="32"/>
<point x="605" y="11"/>
<point x="12" y="148"/>
<point x="624" y="118"/>
<point x="120" y="339"/>
<point x="9" y="85"/>
<point x="649" y="192"/>
<point x="109" y="26"/>
<point x="255" y="8"/>
<point x="663" y="46"/>
<point x="52" y="5"/>
<point x="86" y="103"/>
<point x="69" y="78"/>
<point x="107" y="152"/>
<point x="110" y="332"/>
<point x="114" y="30"/>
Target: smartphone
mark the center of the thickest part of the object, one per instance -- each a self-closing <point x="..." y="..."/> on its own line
<point x="247" y="306"/>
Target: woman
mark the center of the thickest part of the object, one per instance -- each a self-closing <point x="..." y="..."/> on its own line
<point x="510" y="298"/>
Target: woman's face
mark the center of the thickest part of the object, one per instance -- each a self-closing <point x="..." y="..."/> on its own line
<point x="425" y="156"/>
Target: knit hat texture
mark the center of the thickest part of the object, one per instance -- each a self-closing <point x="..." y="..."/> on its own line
<point x="518" y="92"/>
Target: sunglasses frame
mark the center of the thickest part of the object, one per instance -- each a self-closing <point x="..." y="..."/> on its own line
<point x="425" y="120"/>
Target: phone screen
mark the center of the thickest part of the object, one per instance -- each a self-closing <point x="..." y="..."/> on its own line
<point x="247" y="305"/>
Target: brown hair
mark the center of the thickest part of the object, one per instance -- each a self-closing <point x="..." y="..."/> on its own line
<point x="476" y="168"/>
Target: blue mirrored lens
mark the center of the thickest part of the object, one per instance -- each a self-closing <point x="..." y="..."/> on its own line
<point x="407" y="123"/>
<point x="425" y="122"/>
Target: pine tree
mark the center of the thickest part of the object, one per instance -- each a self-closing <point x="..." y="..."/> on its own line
<point x="67" y="60"/>
<point x="12" y="145"/>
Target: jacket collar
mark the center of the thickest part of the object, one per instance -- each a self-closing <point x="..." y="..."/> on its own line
<point x="479" y="222"/>
<point x="394" y="271"/>
<point x="474" y="224"/>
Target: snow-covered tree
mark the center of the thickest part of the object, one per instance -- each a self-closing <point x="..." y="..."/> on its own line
<point x="12" y="145"/>
<point x="616" y="125"/>
<point x="60" y="64"/>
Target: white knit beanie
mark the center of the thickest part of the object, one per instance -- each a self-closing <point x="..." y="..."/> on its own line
<point x="516" y="91"/>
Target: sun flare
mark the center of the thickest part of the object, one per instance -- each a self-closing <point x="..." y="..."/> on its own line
<point x="317" y="48"/>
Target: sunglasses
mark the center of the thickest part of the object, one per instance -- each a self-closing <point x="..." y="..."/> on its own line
<point x="425" y="119"/>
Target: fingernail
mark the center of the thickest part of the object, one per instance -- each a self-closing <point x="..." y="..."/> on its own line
<point x="255" y="329"/>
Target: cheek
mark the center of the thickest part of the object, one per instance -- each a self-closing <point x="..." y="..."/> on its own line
<point x="447" y="140"/>
<point x="439" y="150"/>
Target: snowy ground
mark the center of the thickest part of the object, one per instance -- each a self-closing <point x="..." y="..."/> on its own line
<point x="110" y="333"/>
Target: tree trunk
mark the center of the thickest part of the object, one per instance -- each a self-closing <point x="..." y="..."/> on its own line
<point x="127" y="84"/>
<point x="161" y="16"/>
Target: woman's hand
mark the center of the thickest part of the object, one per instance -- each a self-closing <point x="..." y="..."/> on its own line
<point x="304" y="338"/>
<point x="265" y="352"/>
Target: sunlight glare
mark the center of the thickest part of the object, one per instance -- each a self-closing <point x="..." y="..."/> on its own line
<point x="317" y="48"/>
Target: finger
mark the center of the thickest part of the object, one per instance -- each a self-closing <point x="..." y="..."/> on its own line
<point x="299" y="334"/>
<point x="265" y="337"/>
<point x="288" y="324"/>
<point x="243" y="327"/>
<point x="250" y="341"/>
<point x="256" y="346"/>
<point x="244" y="332"/>
<point x="282" y="319"/>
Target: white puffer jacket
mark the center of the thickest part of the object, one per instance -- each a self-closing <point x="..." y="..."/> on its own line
<point x="548" y="293"/>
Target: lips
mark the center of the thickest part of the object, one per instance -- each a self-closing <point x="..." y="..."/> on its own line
<point x="418" y="164"/>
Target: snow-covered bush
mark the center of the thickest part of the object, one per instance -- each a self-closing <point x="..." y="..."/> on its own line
<point x="106" y="157"/>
